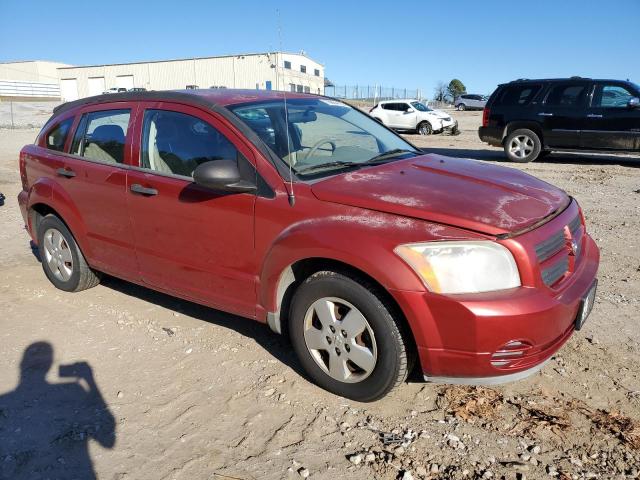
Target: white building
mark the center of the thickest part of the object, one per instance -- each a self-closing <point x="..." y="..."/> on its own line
<point x="264" y="71"/>
<point x="30" y="79"/>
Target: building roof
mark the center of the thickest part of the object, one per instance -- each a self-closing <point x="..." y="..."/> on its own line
<point x="238" y="55"/>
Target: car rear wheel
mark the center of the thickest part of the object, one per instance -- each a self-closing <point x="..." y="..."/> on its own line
<point x="424" y="128"/>
<point x="346" y="338"/>
<point x="462" y="107"/>
<point x="62" y="261"/>
<point x="522" y="146"/>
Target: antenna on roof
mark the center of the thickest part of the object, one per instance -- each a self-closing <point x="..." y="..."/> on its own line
<point x="292" y="197"/>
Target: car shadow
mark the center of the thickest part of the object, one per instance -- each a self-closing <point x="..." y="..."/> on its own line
<point x="553" y="158"/>
<point x="277" y="345"/>
<point x="45" y="427"/>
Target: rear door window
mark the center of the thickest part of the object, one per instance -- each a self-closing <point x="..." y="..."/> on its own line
<point x="57" y="136"/>
<point x="518" y="95"/>
<point x="101" y="136"/>
<point x="567" y="95"/>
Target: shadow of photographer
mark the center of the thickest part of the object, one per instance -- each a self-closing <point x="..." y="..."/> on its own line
<point x="45" y="427"/>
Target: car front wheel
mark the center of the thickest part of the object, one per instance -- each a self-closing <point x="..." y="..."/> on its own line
<point x="522" y="146"/>
<point x="462" y="107"/>
<point x="425" y="128"/>
<point x="346" y="338"/>
<point x="62" y="261"/>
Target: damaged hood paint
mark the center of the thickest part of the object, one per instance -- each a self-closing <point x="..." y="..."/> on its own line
<point x="469" y="194"/>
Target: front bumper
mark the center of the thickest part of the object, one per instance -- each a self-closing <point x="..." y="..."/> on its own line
<point x="460" y="337"/>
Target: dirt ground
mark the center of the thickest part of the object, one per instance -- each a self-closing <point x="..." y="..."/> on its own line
<point x="173" y="390"/>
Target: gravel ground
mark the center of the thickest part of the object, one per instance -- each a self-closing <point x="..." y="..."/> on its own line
<point x="173" y="390"/>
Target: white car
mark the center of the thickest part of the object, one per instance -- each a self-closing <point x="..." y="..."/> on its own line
<point x="412" y="115"/>
<point x="115" y="90"/>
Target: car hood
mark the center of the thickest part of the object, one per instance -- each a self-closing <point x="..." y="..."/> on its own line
<point x="439" y="113"/>
<point x="465" y="193"/>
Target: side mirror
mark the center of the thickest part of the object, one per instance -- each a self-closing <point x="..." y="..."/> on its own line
<point x="222" y="176"/>
<point x="409" y="110"/>
<point x="634" y="102"/>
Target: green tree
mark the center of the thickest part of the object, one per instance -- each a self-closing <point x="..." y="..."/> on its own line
<point x="455" y="88"/>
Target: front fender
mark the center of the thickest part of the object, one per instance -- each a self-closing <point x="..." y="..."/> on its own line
<point x="345" y="239"/>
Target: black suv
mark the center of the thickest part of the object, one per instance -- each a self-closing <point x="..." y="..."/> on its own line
<point x="531" y="118"/>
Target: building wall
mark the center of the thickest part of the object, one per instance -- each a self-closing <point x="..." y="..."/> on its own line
<point x="29" y="80"/>
<point x="238" y="71"/>
<point x="31" y="71"/>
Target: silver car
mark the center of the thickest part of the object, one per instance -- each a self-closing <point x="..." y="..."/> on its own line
<point x="469" y="101"/>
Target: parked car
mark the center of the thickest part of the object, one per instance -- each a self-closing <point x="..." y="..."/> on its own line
<point x="137" y="89"/>
<point x="115" y="90"/>
<point x="412" y="115"/>
<point x="468" y="101"/>
<point x="532" y="118"/>
<point x="306" y="214"/>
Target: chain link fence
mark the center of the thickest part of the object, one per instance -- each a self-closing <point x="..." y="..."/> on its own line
<point x="370" y="93"/>
<point x="25" y="114"/>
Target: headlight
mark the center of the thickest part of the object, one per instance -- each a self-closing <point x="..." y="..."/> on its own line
<point x="462" y="267"/>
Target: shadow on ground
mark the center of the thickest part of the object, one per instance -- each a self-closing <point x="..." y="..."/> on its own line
<point x="45" y="427"/>
<point x="276" y="345"/>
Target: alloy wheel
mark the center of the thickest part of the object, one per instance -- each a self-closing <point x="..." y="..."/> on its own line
<point x="58" y="254"/>
<point x="521" y="146"/>
<point x="340" y="339"/>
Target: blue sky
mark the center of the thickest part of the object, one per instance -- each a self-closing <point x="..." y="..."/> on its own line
<point x="409" y="45"/>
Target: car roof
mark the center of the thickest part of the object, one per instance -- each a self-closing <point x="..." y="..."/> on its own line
<point x="566" y="79"/>
<point x="208" y="97"/>
<point x="397" y="100"/>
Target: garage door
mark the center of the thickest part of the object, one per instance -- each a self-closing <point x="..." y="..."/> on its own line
<point x="124" y="81"/>
<point x="96" y="86"/>
<point x="69" y="89"/>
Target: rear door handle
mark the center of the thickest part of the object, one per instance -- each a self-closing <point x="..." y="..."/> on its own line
<point x="594" y="115"/>
<point x="544" y="114"/>
<point x="63" y="172"/>
<point x="137" y="188"/>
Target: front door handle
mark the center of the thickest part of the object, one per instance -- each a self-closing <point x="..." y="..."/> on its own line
<point x="544" y="114"/>
<point x="594" y="115"/>
<point x="137" y="188"/>
<point x="63" y="172"/>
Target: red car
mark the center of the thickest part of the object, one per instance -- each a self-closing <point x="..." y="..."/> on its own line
<point x="301" y="212"/>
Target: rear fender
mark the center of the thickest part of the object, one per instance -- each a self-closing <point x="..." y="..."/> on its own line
<point x="533" y="126"/>
<point x="49" y="193"/>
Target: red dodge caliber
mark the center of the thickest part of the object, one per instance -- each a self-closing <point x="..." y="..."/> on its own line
<point x="301" y="212"/>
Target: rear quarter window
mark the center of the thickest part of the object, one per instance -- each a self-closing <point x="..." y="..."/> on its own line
<point x="517" y="95"/>
<point x="57" y="136"/>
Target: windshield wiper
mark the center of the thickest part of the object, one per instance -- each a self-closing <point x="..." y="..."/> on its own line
<point x="328" y="165"/>
<point x="387" y="155"/>
<point x="344" y="164"/>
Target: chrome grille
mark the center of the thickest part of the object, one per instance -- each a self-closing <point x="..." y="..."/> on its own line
<point x="550" y="247"/>
<point x="574" y="224"/>
<point x="552" y="274"/>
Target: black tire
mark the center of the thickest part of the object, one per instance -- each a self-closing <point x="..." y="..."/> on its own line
<point x="82" y="276"/>
<point x="424" y="128"/>
<point x="462" y="107"/>
<point x="393" y="358"/>
<point x="529" y="149"/>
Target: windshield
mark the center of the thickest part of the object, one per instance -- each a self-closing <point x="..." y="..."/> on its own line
<point x="421" y="107"/>
<point x="323" y="135"/>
